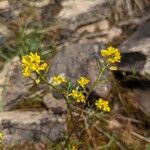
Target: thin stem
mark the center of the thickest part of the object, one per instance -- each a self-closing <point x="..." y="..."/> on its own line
<point x="69" y="108"/>
<point x="68" y="138"/>
<point x="72" y="121"/>
<point x="140" y="137"/>
<point x="107" y="145"/>
<point x="96" y="82"/>
<point x="93" y="86"/>
<point x="89" y="133"/>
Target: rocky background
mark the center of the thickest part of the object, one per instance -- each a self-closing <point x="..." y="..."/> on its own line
<point x="69" y="33"/>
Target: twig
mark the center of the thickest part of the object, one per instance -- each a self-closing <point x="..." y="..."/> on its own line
<point x="136" y="21"/>
<point x="140" y="5"/>
<point x="89" y="133"/>
<point x="140" y="136"/>
<point x="129" y="7"/>
<point x="96" y="34"/>
<point x="68" y="138"/>
<point x="128" y="119"/>
<point x="107" y="145"/>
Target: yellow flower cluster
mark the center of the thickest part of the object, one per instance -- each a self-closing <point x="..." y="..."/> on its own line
<point x="78" y="96"/>
<point x="32" y="63"/>
<point x="57" y="80"/>
<point x="83" y="81"/>
<point x="102" y="105"/>
<point x="112" y="56"/>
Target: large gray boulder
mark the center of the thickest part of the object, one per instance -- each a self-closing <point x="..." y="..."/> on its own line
<point x="79" y="59"/>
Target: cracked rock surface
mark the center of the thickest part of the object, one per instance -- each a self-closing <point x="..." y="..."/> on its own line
<point x="21" y="127"/>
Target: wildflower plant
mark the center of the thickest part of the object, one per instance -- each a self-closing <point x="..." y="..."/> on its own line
<point x="75" y="92"/>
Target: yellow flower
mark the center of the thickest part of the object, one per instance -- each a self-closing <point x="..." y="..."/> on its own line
<point x="26" y="72"/>
<point x="34" y="58"/>
<point x="111" y="54"/>
<point x="78" y="96"/>
<point x="82" y="81"/>
<point x="57" y="80"/>
<point x="74" y="94"/>
<point x="102" y="105"/>
<point x="32" y="63"/>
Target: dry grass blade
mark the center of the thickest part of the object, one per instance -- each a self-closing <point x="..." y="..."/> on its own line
<point x="140" y="136"/>
<point x="110" y="137"/>
<point x="129" y="8"/>
<point x="89" y="133"/>
<point x="128" y="119"/>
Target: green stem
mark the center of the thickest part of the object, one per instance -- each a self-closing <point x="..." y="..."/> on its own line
<point x="69" y="108"/>
<point x="69" y="136"/>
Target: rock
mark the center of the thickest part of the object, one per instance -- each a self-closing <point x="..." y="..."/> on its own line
<point x="41" y="3"/>
<point x="136" y="51"/>
<point x="4" y="5"/>
<point x="134" y="70"/>
<point x="105" y="36"/>
<point x="114" y="124"/>
<point x="134" y="95"/>
<point x="113" y="33"/>
<point x="74" y="8"/>
<point x="78" y="13"/>
<point x="4" y="31"/>
<point x="103" y="25"/>
<point x="13" y="85"/>
<point x="78" y="59"/>
<point x="143" y="98"/>
<point x="58" y="106"/>
<point x="90" y="28"/>
<point x="19" y="127"/>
